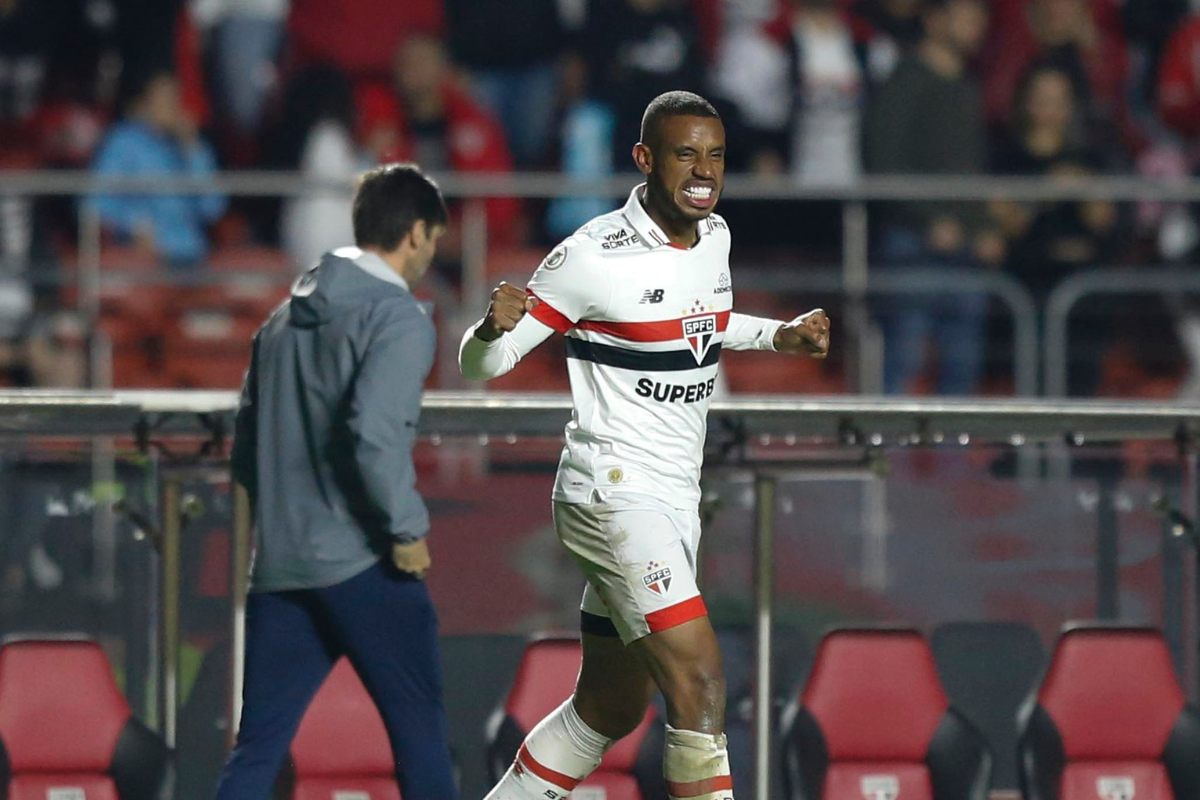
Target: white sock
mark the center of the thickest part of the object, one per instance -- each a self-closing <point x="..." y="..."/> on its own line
<point x="558" y="753"/>
<point x="696" y="766"/>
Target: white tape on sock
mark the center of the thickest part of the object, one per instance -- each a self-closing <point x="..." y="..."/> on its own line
<point x="696" y="766"/>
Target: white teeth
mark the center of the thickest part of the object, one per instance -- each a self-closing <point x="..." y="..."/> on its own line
<point x="699" y="192"/>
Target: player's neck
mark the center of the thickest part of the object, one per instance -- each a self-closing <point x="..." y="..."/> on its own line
<point x="682" y="233"/>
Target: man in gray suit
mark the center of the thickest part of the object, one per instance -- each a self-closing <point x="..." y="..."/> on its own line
<point x="323" y="445"/>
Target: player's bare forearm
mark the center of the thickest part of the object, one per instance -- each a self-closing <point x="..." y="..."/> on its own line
<point x="806" y="335"/>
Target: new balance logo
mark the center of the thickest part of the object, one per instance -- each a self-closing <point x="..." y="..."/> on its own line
<point x="652" y="296"/>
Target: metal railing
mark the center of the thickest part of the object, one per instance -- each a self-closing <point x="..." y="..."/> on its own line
<point x="857" y="280"/>
<point x="847" y="422"/>
<point x="1106" y="281"/>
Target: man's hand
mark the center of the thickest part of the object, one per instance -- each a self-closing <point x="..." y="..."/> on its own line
<point x="413" y="558"/>
<point x="807" y="334"/>
<point x="508" y="305"/>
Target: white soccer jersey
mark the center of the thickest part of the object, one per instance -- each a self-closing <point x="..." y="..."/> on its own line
<point x="645" y="322"/>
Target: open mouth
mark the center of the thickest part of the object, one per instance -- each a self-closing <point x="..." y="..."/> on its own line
<point x="699" y="195"/>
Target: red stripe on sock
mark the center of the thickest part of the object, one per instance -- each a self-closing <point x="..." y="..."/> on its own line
<point x="721" y="783"/>
<point x="545" y="773"/>
<point x="677" y="614"/>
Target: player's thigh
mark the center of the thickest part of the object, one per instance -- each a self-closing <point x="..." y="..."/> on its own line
<point x="614" y="688"/>
<point x="637" y="558"/>
<point x="685" y="663"/>
<point x="687" y="652"/>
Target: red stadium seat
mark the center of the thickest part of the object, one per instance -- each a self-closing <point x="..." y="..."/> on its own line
<point x="1109" y="722"/>
<point x="341" y="749"/>
<point x="66" y="732"/>
<point x="209" y="349"/>
<point x="873" y="723"/>
<point x="631" y="769"/>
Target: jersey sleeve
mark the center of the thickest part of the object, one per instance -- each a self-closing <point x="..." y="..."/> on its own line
<point x="479" y="360"/>
<point x="571" y="285"/>
<point x="750" y="333"/>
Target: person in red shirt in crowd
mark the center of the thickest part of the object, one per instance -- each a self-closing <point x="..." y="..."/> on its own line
<point x="1085" y="39"/>
<point x="359" y="35"/>
<point x="433" y="121"/>
<point x="1179" y="79"/>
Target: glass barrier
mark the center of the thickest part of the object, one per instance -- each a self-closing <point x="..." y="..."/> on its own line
<point x="987" y="550"/>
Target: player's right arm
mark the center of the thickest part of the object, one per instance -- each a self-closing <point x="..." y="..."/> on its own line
<point x="570" y="285"/>
<point x="495" y="344"/>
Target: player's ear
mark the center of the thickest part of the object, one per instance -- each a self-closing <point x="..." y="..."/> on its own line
<point x="643" y="158"/>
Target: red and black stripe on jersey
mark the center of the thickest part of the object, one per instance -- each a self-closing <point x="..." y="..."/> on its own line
<point x="631" y="358"/>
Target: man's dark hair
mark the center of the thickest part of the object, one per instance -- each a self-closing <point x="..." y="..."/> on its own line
<point x="673" y="104"/>
<point x="389" y="201"/>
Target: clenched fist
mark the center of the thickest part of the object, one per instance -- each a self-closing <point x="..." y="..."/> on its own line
<point x="508" y="305"/>
<point x="807" y="334"/>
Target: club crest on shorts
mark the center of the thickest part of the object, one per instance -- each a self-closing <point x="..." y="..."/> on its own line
<point x="699" y="332"/>
<point x="658" y="578"/>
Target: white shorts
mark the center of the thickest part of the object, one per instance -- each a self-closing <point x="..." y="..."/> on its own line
<point x="639" y="557"/>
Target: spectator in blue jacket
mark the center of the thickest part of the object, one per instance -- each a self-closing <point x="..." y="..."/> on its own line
<point x="158" y="137"/>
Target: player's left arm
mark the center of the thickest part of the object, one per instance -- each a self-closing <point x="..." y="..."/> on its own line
<point x="807" y="334"/>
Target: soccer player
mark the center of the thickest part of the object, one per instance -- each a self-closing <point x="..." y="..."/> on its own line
<point x="644" y="297"/>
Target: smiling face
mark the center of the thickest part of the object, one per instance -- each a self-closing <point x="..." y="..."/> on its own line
<point x="684" y="164"/>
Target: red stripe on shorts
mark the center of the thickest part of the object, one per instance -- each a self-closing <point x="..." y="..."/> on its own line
<point x="544" y="313"/>
<point x="544" y="772"/>
<point x="677" y="614"/>
<point x="721" y="783"/>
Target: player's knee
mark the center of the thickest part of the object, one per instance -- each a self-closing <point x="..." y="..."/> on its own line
<point x="625" y="720"/>
<point x="612" y="715"/>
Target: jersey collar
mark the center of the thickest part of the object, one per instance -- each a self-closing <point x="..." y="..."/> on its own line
<point x="646" y="228"/>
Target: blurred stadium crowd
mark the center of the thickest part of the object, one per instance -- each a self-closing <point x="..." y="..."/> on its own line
<point x="819" y="91"/>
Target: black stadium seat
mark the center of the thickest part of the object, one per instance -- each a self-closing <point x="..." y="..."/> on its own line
<point x="66" y="731"/>
<point x="988" y="670"/>
<point x="1109" y="722"/>
<point x="632" y="768"/>
<point x="873" y="723"/>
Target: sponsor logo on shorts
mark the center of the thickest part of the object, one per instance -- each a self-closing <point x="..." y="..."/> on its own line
<point x="658" y="579"/>
<point x="615" y="475"/>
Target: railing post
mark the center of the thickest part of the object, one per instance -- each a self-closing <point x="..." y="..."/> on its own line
<point x="865" y="359"/>
<point x="764" y="591"/>
<point x="169" y="598"/>
<point x="239" y="586"/>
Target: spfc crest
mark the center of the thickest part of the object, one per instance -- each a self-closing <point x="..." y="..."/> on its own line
<point x="659" y="579"/>
<point x="699" y="332"/>
<point x="1115" y="788"/>
<point x="880" y="787"/>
